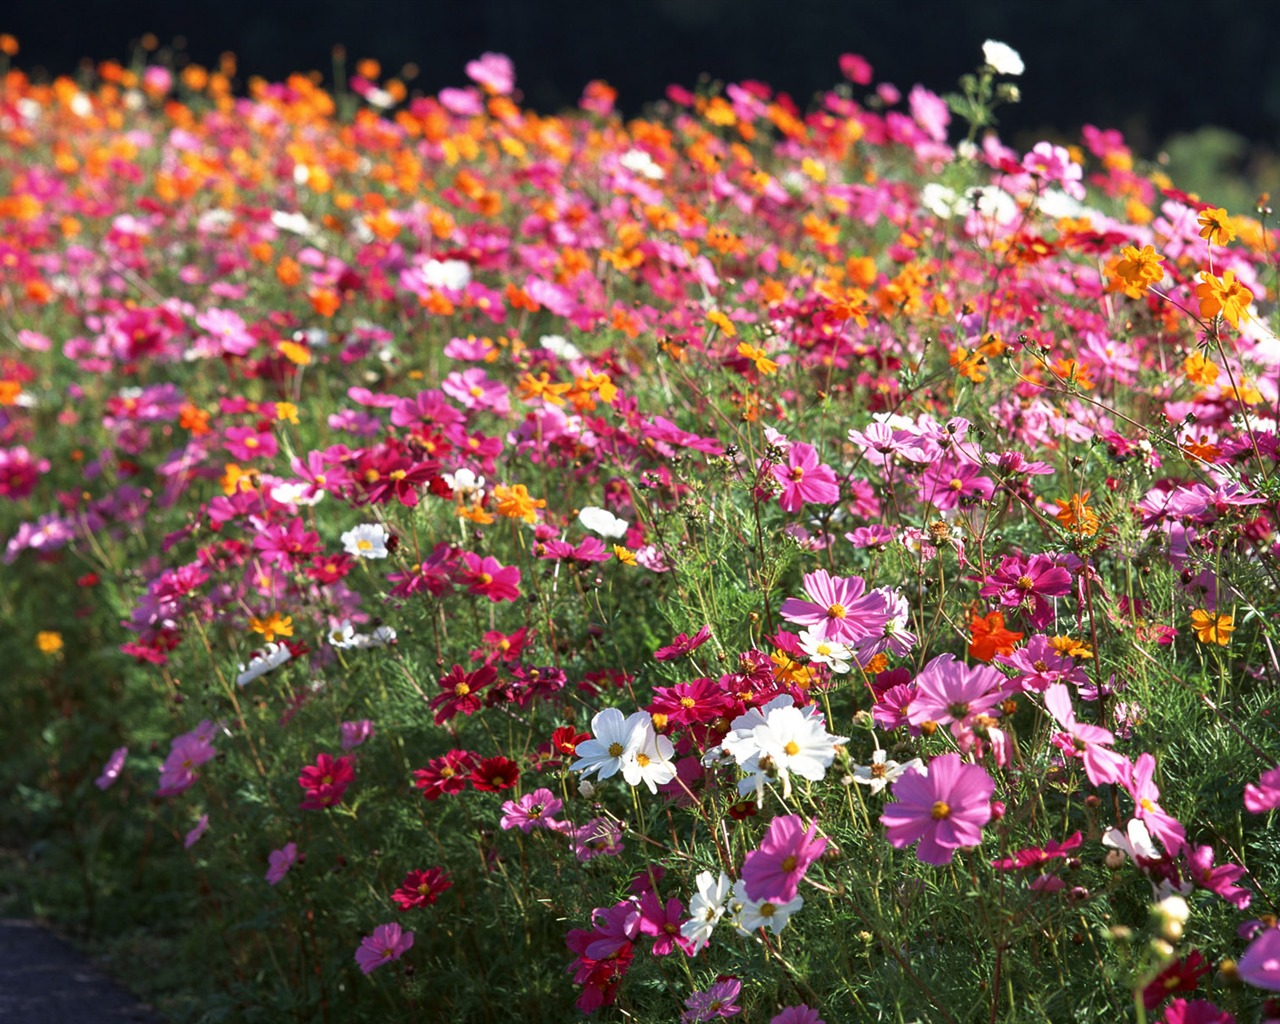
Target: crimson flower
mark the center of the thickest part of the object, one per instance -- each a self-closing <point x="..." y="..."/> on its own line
<point x="459" y="691"/>
<point x="421" y="888"/>
<point x="325" y="781"/>
<point x="447" y="774"/>
<point x="494" y="774"/>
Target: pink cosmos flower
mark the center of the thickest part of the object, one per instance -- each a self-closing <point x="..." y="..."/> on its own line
<point x="1265" y="796"/>
<point x="246" y="443"/>
<point x="112" y="769"/>
<point x="280" y="861"/>
<point x="839" y="606"/>
<point x="773" y="871"/>
<point x="717" y="1001"/>
<point x="1087" y="742"/>
<point x="949" y="691"/>
<point x="188" y="752"/>
<point x="1197" y="1011"/>
<point x="533" y="810"/>
<point x="388" y="942"/>
<point x="805" y="480"/>
<point x="1260" y="965"/>
<point x="797" y="1015"/>
<point x="1141" y="786"/>
<point x="193" y="837"/>
<point x="1220" y="880"/>
<point x="944" y="810"/>
<point x="494" y="72"/>
<point x="355" y="733"/>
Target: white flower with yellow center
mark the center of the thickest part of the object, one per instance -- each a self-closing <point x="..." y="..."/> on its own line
<point x="749" y="915"/>
<point x="881" y="771"/>
<point x="368" y="540"/>
<point x="821" y="651"/>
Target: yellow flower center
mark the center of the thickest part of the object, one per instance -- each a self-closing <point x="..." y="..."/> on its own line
<point x="615" y="749"/>
<point x="941" y="809"/>
<point x="836" y="611"/>
<point x="642" y="760"/>
<point x="767" y="909"/>
<point x="792" y="748"/>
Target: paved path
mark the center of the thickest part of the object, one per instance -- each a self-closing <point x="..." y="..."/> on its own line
<point x="46" y="980"/>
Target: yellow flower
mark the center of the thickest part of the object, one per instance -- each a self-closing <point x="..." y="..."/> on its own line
<point x="723" y="322"/>
<point x="757" y="355"/>
<point x="287" y="412"/>
<point x="1212" y="629"/>
<point x="1215" y="227"/>
<point x="624" y="555"/>
<point x="272" y="626"/>
<point x="1225" y="297"/>
<point x="48" y="641"/>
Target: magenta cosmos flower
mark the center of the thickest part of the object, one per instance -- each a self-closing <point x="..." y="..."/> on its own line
<point x="280" y="861"/>
<point x="943" y="810"/>
<point x="805" y="480"/>
<point x="325" y="781"/>
<point x="388" y="942"/>
<point x="1265" y="796"/>
<point x="773" y="871"/>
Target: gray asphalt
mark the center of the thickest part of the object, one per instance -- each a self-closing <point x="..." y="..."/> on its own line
<point x="46" y="980"/>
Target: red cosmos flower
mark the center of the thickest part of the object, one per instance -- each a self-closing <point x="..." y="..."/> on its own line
<point x="499" y="646"/>
<point x="489" y="577"/>
<point x="421" y="888"/>
<point x="389" y="473"/>
<point x="325" y="781"/>
<point x="565" y="740"/>
<point x="459" y="692"/>
<point x="448" y="774"/>
<point x="1180" y="976"/>
<point x="494" y="774"/>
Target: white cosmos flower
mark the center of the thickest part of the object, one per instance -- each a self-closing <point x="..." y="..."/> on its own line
<point x="796" y="742"/>
<point x="368" y="540"/>
<point x="638" y="161"/>
<point x="559" y="346"/>
<point x="1002" y="58"/>
<point x="825" y="652"/>
<point x="464" y="483"/>
<point x="272" y="656"/>
<point x="296" y="492"/>
<point x="452" y="275"/>
<point x="616" y="742"/>
<point x="881" y="771"/>
<point x="603" y="522"/>
<point x="750" y="915"/>
<point x="651" y="763"/>
<point x="706" y="908"/>
<point x="938" y="199"/>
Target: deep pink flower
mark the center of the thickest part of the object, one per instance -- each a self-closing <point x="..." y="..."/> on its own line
<point x="663" y="923"/>
<point x="421" y="888"/>
<point x="193" y="837"/>
<point x="1260" y="965"/>
<point x="615" y="927"/>
<point x="943" y="810"/>
<point x="949" y="691"/>
<point x="1220" y="880"/>
<point x="1265" y="796"/>
<point x="1036" y="856"/>
<point x="188" y="752"/>
<point x="460" y="691"/>
<point x="325" y="781"/>
<point x="717" y="1001"/>
<point x="805" y="480"/>
<point x="1180" y="976"/>
<point x="388" y="942"/>
<point x="248" y="443"/>
<point x="487" y="576"/>
<point x="773" y="871"/>
<point x="683" y="644"/>
<point x="1197" y="1011"/>
<point x="354" y="734"/>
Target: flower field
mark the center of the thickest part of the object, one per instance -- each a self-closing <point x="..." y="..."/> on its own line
<point x="793" y="561"/>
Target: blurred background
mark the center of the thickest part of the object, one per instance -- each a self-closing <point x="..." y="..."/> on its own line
<point x="1195" y="84"/>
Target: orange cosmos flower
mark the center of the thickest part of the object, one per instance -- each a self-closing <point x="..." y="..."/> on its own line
<point x="1212" y="629"/>
<point x="1215" y="227"/>
<point x="1225" y="297"/>
<point x="516" y="503"/>
<point x="723" y="322"/>
<point x="988" y="636"/>
<point x="1139" y="270"/>
<point x="757" y="355"/>
<point x="532" y="387"/>
<point x="1076" y="515"/>
<point x="324" y="301"/>
<point x="272" y="626"/>
<point x="1199" y="370"/>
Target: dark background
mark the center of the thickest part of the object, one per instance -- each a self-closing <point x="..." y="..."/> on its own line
<point x="1152" y="68"/>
